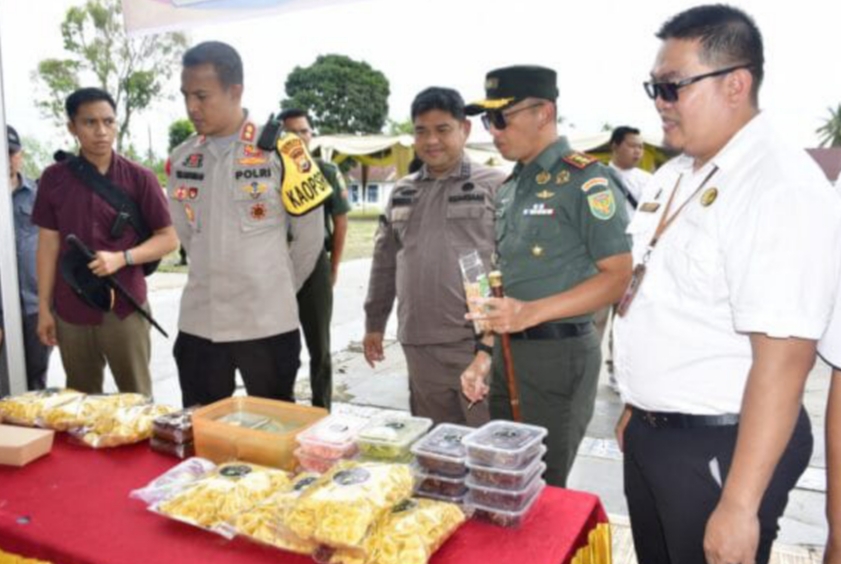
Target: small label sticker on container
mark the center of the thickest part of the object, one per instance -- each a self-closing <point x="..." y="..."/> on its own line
<point x="405" y="505"/>
<point x="453" y="438"/>
<point x="395" y="425"/>
<point x="305" y="483"/>
<point x="236" y="471"/>
<point x="352" y="477"/>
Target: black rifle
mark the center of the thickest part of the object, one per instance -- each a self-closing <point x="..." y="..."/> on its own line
<point x="75" y="242"/>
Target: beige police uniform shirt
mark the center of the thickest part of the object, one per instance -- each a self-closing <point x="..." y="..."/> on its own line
<point x="248" y="257"/>
<point x="427" y="225"/>
<point x="754" y="251"/>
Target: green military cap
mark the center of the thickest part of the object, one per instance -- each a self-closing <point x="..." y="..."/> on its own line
<point x="509" y="85"/>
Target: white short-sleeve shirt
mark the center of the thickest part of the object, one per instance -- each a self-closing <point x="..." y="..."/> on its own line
<point x="635" y="179"/>
<point x="760" y="257"/>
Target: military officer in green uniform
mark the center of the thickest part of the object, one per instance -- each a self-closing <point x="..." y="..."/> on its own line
<point x="563" y="254"/>
<point x="315" y="298"/>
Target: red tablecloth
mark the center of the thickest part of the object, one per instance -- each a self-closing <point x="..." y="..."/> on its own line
<point x="72" y="507"/>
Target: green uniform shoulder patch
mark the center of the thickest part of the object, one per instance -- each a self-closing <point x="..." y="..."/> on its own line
<point x="580" y="160"/>
<point x="602" y="205"/>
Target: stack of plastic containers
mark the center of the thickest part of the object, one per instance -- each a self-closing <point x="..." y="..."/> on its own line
<point x="388" y="437"/>
<point x="505" y="468"/>
<point x="328" y="441"/>
<point x="440" y="468"/>
<point x="172" y="434"/>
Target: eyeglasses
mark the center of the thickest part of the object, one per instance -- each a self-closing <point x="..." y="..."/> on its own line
<point x="668" y="91"/>
<point x="497" y="118"/>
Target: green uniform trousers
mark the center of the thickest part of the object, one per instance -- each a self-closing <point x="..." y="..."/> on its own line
<point x="315" y="309"/>
<point x="125" y="344"/>
<point x="557" y="382"/>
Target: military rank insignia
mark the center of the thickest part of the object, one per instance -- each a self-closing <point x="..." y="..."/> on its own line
<point x="562" y="177"/>
<point x="580" y="160"/>
<point x="248" y="132"/>
<point x="543" y="178"/>
<point x="602" y="205"/>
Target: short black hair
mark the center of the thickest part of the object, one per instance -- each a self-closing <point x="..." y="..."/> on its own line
<point x="293" y="113"/>
<point x="619" y="134"/>
<point x="728" y="37"/>
<point x="437" y="98"/>
<point x="224" y="58"/>
<point x="85" y="96"/>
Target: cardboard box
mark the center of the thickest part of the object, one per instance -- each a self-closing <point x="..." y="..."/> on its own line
<point x="20" y="445"/>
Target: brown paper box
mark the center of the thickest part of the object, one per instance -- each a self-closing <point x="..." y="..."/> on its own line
<point x="20" y="445"/>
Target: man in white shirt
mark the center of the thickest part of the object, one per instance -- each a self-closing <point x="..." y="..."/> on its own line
<point x="626" y="148"/>
<point x="736" y="246"/>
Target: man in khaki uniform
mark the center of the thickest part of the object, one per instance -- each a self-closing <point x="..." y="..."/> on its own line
<point x="433" y="217"/>
<point x="563" y="254"/>
<point x="248" y="255"/>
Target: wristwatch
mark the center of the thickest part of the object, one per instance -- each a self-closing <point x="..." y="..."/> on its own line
<point x="480" y="346"/>
<point x="127" y="256"/>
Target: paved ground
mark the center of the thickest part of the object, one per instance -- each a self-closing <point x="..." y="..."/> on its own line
<point x="358" y="388"/>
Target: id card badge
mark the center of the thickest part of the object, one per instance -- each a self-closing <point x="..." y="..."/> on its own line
<point x="631" y="290"/>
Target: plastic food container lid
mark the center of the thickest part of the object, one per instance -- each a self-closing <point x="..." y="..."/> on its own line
<point x="334" y="431"/>
<point x="502" y="512"/>
<point x="511" y="472"/>
<point x="394" y="430"/>
<point x="444" y="442"/>
<point x="421" y="474"/>
<point x="458" y="500"/>
<point x="505" y="437"/>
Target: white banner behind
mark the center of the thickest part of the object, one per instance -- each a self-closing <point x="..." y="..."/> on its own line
<point x="151" y="16"/>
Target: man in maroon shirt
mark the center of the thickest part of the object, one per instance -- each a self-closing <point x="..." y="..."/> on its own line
<point x="65" y="205"/>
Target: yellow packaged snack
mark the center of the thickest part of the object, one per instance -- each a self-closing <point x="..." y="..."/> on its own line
<point x="408" y="534"/>
<point x="348" y="500"/>
<point x="266" y="523"/>
<point x="26" y="409"/>
<point x="124" y="426"/>
<point x="85" y="410"/>
<point x="229" y="490"/>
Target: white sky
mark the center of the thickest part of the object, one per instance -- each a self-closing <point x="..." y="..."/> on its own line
<point x="602" y="51"/>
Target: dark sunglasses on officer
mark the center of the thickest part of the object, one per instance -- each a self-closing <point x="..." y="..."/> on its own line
<point x="668" y="91"/>
<point x="497" y="118"/>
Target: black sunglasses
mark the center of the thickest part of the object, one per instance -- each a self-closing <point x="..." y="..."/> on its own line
<point x="497" y="117"/>
<point x="668" y="91"/>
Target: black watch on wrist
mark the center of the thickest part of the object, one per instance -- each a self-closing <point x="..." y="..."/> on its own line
<point x="480" y="346"/>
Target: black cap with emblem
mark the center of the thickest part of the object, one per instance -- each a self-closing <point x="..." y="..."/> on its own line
<point x="509" y="85"/>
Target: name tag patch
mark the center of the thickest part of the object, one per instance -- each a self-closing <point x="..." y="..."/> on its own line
<point x="539" y="209"/>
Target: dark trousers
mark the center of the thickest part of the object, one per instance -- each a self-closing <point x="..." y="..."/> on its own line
<point x="315" y="309"/>
<point x="206" y="370"/>
<point x="672" y="488"/>
<point x="36" y="354"/>
<point x="557" y="381"/>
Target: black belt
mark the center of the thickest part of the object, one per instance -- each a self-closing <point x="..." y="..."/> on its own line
<point x="667" y="420"/>
<point x="547" y="331"/>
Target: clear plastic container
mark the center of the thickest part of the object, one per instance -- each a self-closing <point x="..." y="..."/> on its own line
<point x="178" y="450"/>
<point x="503" y="479"/>
<point x="438" y="484"/>
<point x="389" y="436"/>
<point x="442" y="451"/>
<point x="502" y="517"/>
<point x="458" y="499"/>
<point x="504" y="444"/>
<point x="509" y="500"/>
<point x="175" y="427"/>
<point x="333" y="437"/>
<point x="312" y="463"/>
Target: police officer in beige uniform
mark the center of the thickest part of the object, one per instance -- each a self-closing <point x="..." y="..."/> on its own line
<point x="248" y="255"/>
<point x="434" y="215"/>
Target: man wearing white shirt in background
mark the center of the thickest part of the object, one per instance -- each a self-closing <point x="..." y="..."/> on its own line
<point x="736" y="245"/>
<point x="626" y="148"/>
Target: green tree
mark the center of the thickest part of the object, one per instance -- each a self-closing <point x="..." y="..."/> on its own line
<point x="36" y="157"/>
<point x="340" y="94"/>
<point x="133" y="70"/>
<point x="179" y="131"/>
<point x="405" y="127"/>
<point x="830" y="132"/>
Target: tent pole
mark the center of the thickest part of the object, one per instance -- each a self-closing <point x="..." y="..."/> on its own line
<point x="12" y="367"/>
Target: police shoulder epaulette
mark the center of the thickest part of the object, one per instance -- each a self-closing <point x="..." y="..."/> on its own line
<point x="580" y="160"/>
